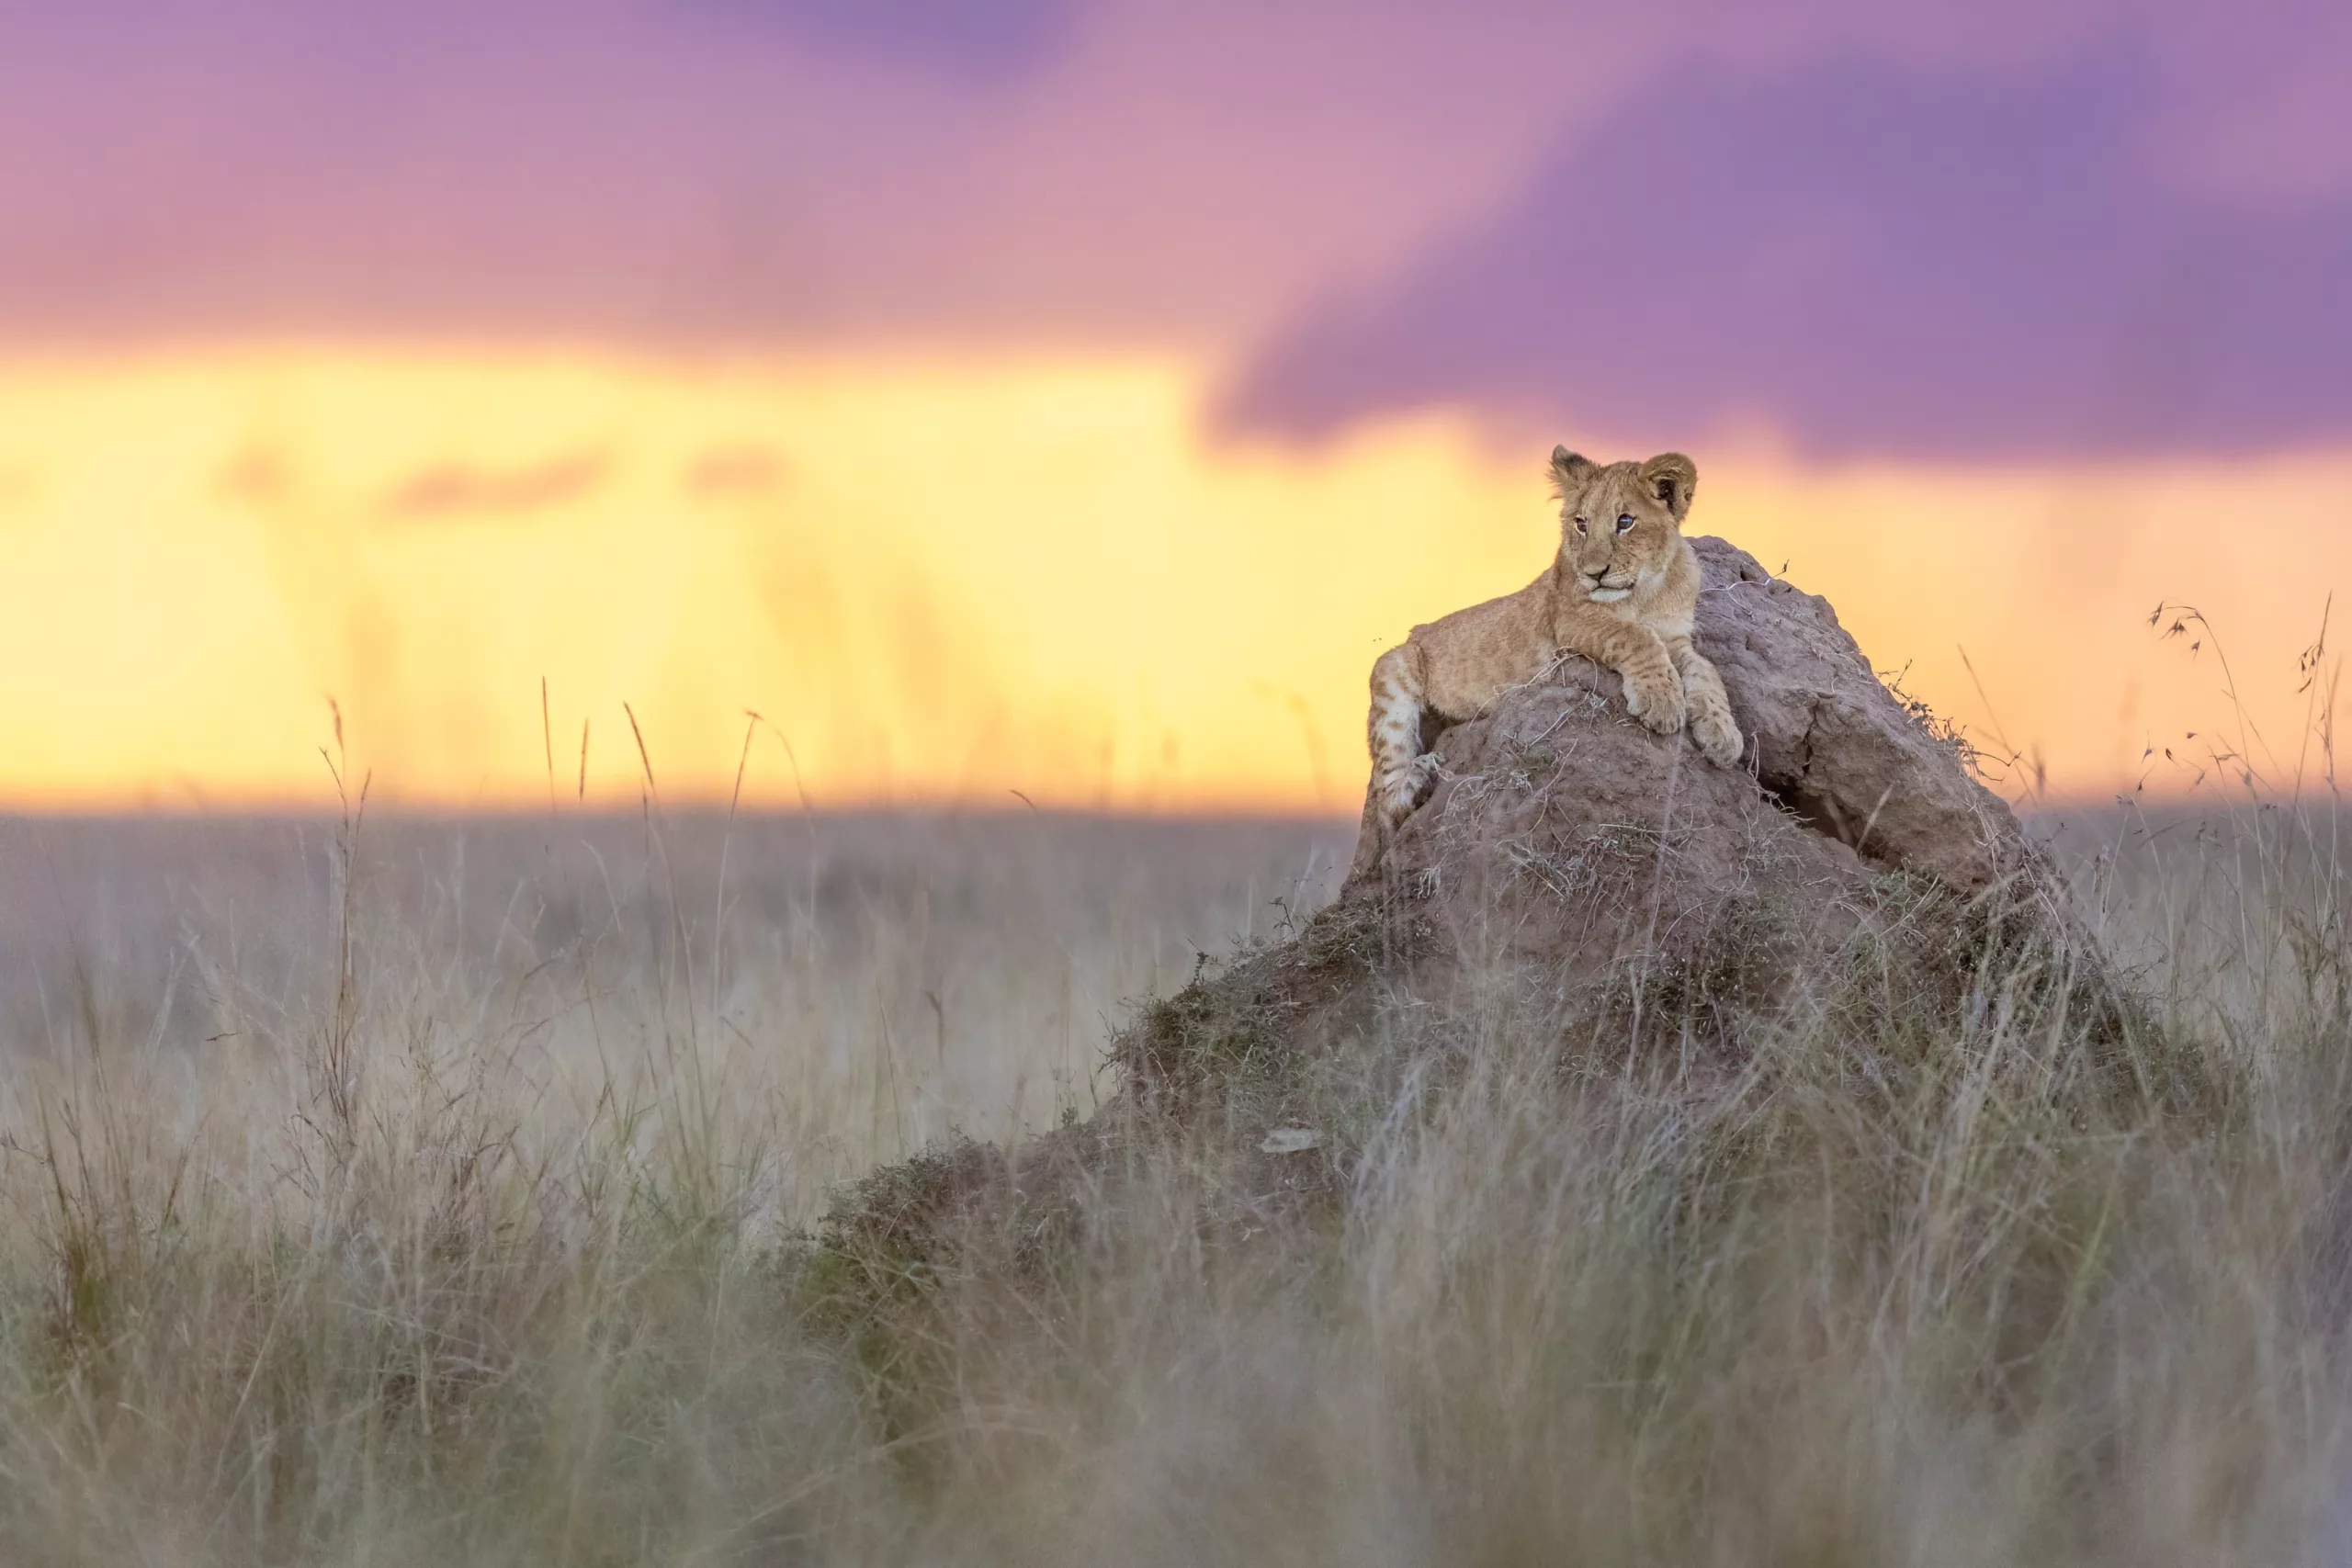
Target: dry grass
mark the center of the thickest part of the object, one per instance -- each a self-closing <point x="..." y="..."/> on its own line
<point x="492" y="1246"/>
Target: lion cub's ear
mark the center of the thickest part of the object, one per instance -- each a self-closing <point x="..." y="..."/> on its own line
<point x="1569" y="472"/>
<point x="1672" y="478"/>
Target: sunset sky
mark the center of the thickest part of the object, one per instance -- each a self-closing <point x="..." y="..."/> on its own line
<point x="1071" y="397"/>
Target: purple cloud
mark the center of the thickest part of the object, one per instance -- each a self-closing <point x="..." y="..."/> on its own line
<point x="985" y="39"/>
<point x="1872" y="258"/>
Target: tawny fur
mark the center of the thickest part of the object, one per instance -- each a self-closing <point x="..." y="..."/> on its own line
<point x="1621" y="591"/>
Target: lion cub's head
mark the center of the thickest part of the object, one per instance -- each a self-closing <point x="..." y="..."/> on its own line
<point x="1620" y="523"/>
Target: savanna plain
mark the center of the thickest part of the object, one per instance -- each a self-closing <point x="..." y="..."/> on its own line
<point x="392" y="1189"/>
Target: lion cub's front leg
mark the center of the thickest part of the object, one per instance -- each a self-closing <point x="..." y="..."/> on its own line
<point x="1400" y="771"/>
<point x="1711" y="724"/>
<point x="1653" y="689"/>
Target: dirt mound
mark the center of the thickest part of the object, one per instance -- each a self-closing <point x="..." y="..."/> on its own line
<point x="1572" y="878"/>
<point x="1829" y="746"/>
<point x="1832" y="744"/>
<point x="1565" y="839"/>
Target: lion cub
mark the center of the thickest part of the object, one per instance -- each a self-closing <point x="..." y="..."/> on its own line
<point x="1621" y="591"/>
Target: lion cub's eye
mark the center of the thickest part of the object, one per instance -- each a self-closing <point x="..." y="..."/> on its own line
<point x="1579" y="524"/>
<point x="1625" y="522"/>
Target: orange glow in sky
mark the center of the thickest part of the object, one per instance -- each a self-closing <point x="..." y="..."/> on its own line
<point x="954" y="579"/>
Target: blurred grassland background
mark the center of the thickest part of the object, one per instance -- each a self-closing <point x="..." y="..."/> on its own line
<point x="415" y="1191"/>
<point x="875" y="982"/>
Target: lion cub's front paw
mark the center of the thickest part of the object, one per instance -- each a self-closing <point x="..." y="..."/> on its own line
<point x="1657" y="702"/>
<point x="1713" y="728"/>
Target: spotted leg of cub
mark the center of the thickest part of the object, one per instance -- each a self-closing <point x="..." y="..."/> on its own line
<point x="1394" y="733"/>
<point x="1399" y="771"/>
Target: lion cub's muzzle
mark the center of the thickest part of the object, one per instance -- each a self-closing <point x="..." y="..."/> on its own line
<point x="1601" y="589"/>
